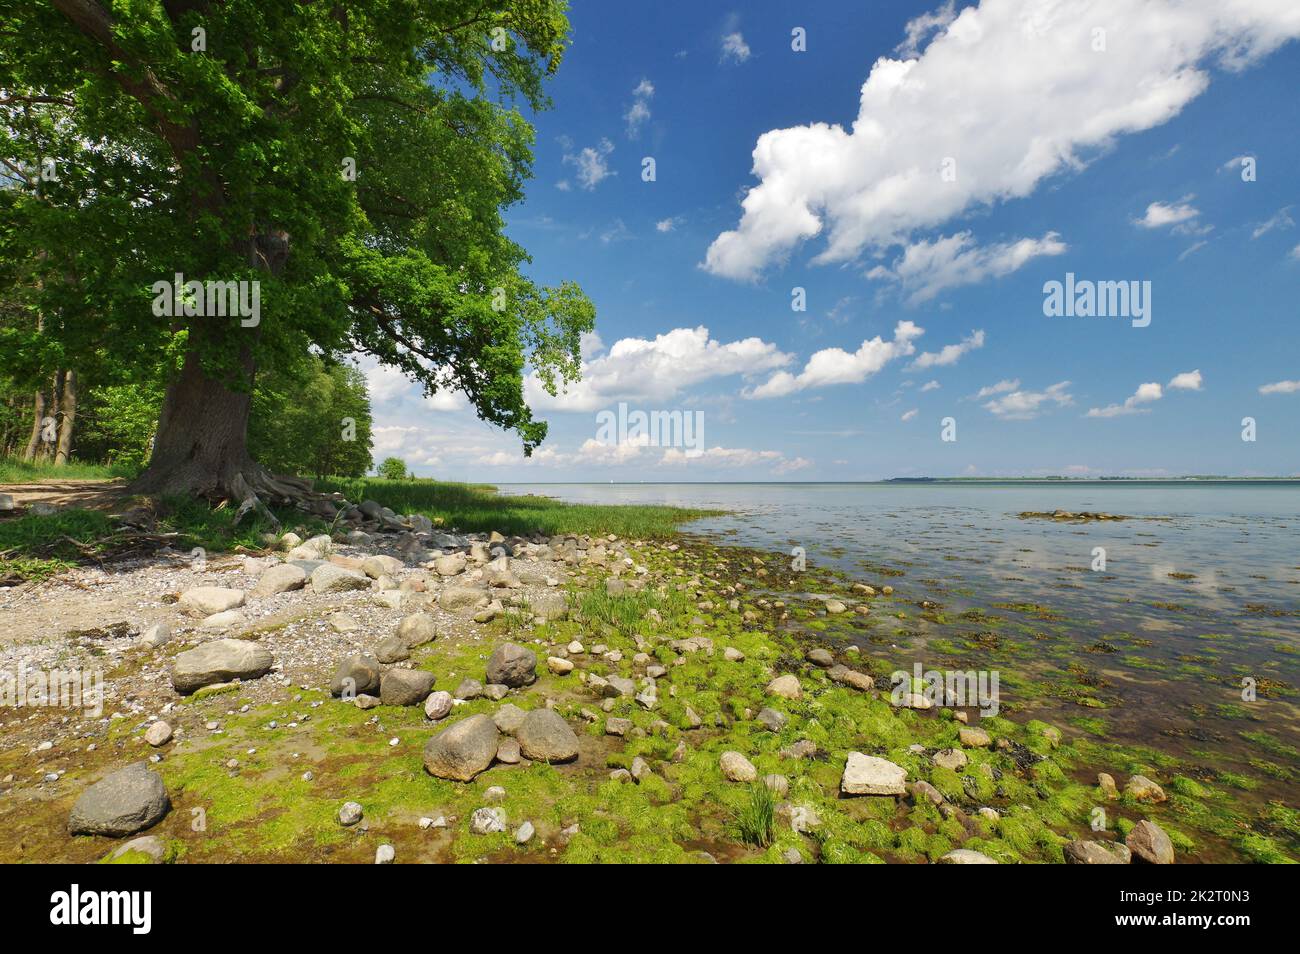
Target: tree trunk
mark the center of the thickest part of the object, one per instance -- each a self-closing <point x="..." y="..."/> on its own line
<point x="38" y="412"/>
<point x="201" y="445"/>
<point x="64" y="451"/>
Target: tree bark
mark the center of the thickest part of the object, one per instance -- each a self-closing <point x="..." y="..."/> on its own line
<point x="64" y="451"/>
<point x="38" y="412"/>
<point x="201" y="445"/>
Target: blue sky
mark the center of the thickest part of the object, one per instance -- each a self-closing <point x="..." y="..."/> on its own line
<point x="999" y="145"/>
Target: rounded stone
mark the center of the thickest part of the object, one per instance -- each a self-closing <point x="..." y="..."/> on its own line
<point x="463" y="750"/>
<point x="512" y="665"/>
<point x="123" y="803"/>
<point x="545" y="737"/>
<point x="357" y="675"/>
<point x="219" y="660"/>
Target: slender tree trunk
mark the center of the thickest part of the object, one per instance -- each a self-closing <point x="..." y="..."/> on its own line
<point x="64" y="451"/>
<point x="38" y="412"/>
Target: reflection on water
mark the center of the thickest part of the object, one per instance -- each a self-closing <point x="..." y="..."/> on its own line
<point x="1203" y="592"/>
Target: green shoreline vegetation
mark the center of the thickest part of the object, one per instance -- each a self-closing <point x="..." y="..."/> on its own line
<point x="722" y="622"/>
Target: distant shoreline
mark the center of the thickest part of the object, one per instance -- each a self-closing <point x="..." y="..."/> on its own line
<point x="918" y="481"/>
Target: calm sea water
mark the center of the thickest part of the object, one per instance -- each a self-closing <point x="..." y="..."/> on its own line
<point x="1199" y="592"/>
<point x="1239" y="540"/>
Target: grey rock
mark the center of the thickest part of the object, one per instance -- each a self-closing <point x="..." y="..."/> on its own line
<point x="463" y="750"/>
<point x="129" y="800"/>
<point x="280" y="579"/>
<point x="456" y="598"/>
<point x="821" y="657"/>
<point x="417" y="629"/>
<point x="377" y="566"/>
<point x="512" y="665"/>
<point x="208" y="600"/>
<point x="159" y="634"/>
<point x="965" y="856"/>
<point x="405" y="687"/>
<point x="220" y="660"/>
<point x="736" y="768"/>
<point x="438" y="705"/>
<point x="151" y="846"/>
<point x="487" y="821"/>
<point x="1097" y="853"/>
<point x="329" y="578"/>
<point x="772" y="720"/>
<point x="1150" y="844"/>
<point x="392" y="650"/>
<point x="545" y="737"/>
<point x="356" y="675"/>
<point x="508" y="752"/>
<point x="869" y="775"/>
<point x="469" y="689"/>
<point x="509" y="718"/>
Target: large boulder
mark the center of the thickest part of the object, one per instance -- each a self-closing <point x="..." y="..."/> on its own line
<point x="455" y="598"/>
<point x="393" y="649"/>
<point x="359" y="674"/>
<point x="965" y="856"/>
<point x="512" y="665"/>
<point x="736" y="768"/>
<point x="329" y="578"/>
<point x="1144" y="790"/>
<point x="549" y="605"/>
<point x="545" y="737"/>
<point x="787" y="687"/>
<point x="209" y="600"/>
<point x="453" y="564"/>
<point x="461" y="751"/>
<point x="280" y="579"/>
<point x="317" y="548"/>
<point x="417" y="629"/>
<point x="219" y="660"/>
<point x="130" y="800"/>
<point x="1097" y="853"/>
<point x="405" y="687"/>
<point x="869" y="775"/>
<point x="1149" y="843"/>
<point x="377" y="566"/>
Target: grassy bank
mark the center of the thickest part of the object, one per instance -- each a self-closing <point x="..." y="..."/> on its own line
<point x="14" y="470"/>
<point x="478" y="507"/>
<point x="35" y="547"/>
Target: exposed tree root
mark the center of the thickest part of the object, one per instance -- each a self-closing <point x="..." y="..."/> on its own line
<point x="250" y="487"/>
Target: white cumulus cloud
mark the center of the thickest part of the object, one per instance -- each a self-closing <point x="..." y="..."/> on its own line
<point x="1024" y="405"/>
<point x="837" y="366"/>
<point x="1280" y="387"/>
<point x="591" y="164"/>
<point x="654" y="370"/>
<point x="949" y="354"/>
<point x="1012" y="91"/>
<point x="927" y="268"/>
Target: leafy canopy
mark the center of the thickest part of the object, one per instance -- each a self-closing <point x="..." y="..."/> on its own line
<point x="180" y="131"/>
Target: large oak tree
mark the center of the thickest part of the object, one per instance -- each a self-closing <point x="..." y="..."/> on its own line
<point x="217" y="140"/>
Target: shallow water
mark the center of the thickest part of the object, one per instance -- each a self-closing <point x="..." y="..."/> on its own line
<point x="1154" y="648"/>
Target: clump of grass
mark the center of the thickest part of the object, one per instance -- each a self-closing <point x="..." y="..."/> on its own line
<point x="626" y="612"/>
<point x="756" y="817"/>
